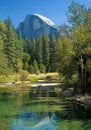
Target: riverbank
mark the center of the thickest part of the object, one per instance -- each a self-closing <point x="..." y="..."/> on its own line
<point x="84" y="100"/>
<point x="41" y="85"/>
<point x="41" y="82"/>
<point x="44" y="82"/>
<point x="26" y="78"/>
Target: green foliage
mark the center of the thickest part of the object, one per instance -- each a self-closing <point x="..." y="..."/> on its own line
<point x="7" y="78"/>
<point x="42" y="68"/>
<point x="35" y="66"/>
<point x="3" y="58"/>
<point x="74" y="53"/>
<point x="52" y="50"/>
<point x="58" y="91"/>
<point x="88" y="65"/>
<point x="46" y="54"/>
<point x="39" y="50"/>
<point x="25" y="60"/>
<point x="65" y="53"/>
<point x="10" y="47"/>
<point x="15" y="52"/>
<point x="32" y="79"/>
<point x="31" y="69"/>
<point x="76" y="14"/>
<point x="27" y="45"/>
<point x="23" y="75"/>
<point x="19" y="65"/>
<point x="42" y="49"/>
<point x="33" y="50"/>
<point x="70" y="54"/>
<point x="13" y="47"/>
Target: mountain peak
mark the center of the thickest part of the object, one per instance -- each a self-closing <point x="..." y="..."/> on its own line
<point x="45" y="19"/>
<point x="36" y="25"/>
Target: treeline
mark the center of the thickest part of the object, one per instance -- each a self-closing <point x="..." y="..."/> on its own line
<point x="42" y="51"/>
<point x="74" y="49"/>
<point x="16" y="54"/>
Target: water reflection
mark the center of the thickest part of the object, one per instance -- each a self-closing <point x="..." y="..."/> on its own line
<point x="35" y="122"/>
<point x="41" y="110"/>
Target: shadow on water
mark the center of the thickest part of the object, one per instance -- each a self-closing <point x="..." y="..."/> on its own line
<point x="41" y="110"/>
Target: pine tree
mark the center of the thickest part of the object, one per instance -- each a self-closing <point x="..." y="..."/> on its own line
<point x="19" y="53"/>
<point x="46" y="54"/>
<point x="3" y="59"/>
<point x="13" y="47"/>
<point x="39" y="51"/>
<point x="26" y="58"/>
<point x="35" y="66"/>
<point x="31" y="69"/>
<point x="10" y="44"/>
<point x="42" y="68"/>
<point x="52" y="53"/>
<point x="33" y="50"/>
<point x="27" y="46"/>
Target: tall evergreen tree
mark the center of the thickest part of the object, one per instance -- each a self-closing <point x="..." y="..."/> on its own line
<point x="35" y="66"/>
<point x="19" y="53"/>
<point x="13" y="47"/>
<point x="26" y="58"/>
<point x="39" y="51"/>
<point x="52" y="53"/>
<point x="33" y="50"/>
<point x="46" y="54"/>
<point x="27" y="45"/>
<point x="3" y="59"/>
<point x="10" y="44"/>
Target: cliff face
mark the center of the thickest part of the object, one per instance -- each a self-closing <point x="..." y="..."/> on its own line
<point x="36" y="25"/>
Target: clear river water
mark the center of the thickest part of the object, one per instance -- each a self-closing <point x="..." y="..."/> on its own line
<point x="29" y="109"/>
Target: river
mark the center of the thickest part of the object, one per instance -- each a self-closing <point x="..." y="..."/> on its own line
<point x="33" y="109"/>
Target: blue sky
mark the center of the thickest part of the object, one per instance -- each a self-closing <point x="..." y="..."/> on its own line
<point x="53" y="9"/>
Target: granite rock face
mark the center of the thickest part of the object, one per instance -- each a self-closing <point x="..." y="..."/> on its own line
<point x="36" y="25"/>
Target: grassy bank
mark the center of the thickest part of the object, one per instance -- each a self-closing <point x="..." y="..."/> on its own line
<point x="26" y="77"/>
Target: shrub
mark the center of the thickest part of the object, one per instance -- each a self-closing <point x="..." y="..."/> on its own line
<point x="58" y="91"/>
<point x="23" y="75"/>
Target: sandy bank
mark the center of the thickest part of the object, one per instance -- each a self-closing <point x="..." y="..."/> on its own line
<point x="44" y="84"/>
<point x="28" y="83"/>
